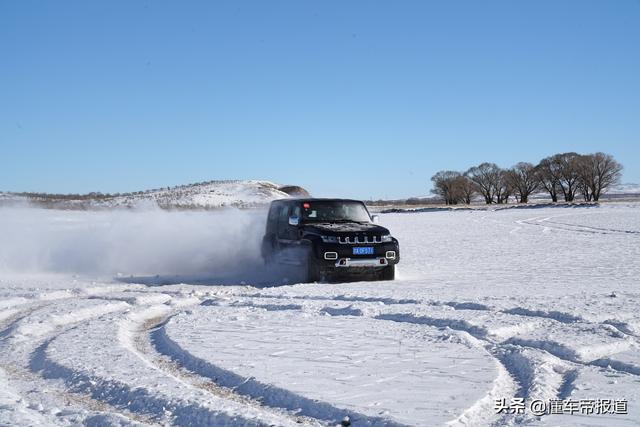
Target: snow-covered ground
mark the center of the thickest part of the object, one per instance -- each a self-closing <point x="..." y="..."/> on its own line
<point x="626" y="188"/>
<point x="489" y="305"/>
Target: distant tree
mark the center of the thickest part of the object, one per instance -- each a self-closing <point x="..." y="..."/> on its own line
<point x="487" y="177"/>
<point x="464" y="188"/>
<point x="585" y="175"/>
<point x="444" y="185"/>
<point x="548" y="177"/>
<point x="524" y="181"/>
<point x="503" y="187"/>
<point x="414" y="201"/>
<point x="597" y="172"/>
<point x="585" y="191"/>
<point x="566" y="166"/>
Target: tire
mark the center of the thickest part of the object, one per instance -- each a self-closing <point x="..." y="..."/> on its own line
<point x="312" y="271"/>
<point x="267" y="259"/>
<point x="388" y="273"/>
<point x="267" y="250"/>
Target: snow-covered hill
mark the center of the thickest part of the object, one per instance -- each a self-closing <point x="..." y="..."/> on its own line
<point x="205" y="195"/>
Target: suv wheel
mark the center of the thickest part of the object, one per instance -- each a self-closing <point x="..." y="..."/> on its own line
<point x="267" y="250"/>
<point x="388" y="273"/>
<point x="313" y="270"/>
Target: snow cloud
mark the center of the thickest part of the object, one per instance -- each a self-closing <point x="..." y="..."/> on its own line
<point x="139" y="242"/>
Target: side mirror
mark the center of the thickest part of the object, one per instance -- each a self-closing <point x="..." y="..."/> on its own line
<point x="294" y="220"/>
<point x="375" y="218"/>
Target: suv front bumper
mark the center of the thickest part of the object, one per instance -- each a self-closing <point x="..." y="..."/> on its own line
<point x="362" y="262"/>
<point x="344" y="257"/>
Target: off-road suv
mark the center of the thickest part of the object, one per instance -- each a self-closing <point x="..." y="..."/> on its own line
<point x="328" y="239"/>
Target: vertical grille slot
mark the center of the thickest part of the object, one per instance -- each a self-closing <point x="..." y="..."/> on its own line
<point x="347" y="240"/>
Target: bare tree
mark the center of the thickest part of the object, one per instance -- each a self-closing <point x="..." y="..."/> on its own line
<point x="486" y="176"/>
<point x="559" y="173"/>
<point x="524" y="180"/>
<point x="585" y="176"/>
<point x="503" y="188"/>
<point x="563" y="173"/>
<point x="597" y="172"/>
<point x="465" y="188"/>
<point x="567" y="165"/>
<point x="444" y="185"/>
<point x="585" y="191"/>
<point x="548" y="177"/>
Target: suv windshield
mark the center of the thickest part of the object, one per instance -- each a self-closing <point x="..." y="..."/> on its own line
<point x="330" y="211"/>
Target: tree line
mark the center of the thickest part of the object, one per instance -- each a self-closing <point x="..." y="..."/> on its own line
<point x="561" y="175"/>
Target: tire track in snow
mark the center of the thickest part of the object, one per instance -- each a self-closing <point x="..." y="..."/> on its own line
<point x="541" y="369"/>
<point x="481" y="411"/>
<point x="347" y="298"/>
<point x="549" y="223"/>
<point x="503" y="388"/>
<point x="150" y="396"/>
<point x="567" y="359"/>
<point x="458" y="305"/>
<point x="539" y="375"/>
<point x="567" y="354"/>
<point x="538" y="370"/>
<point x="603" y="230"/>
<point x="267" y="394"/>
<point x="617" y="365"/>
<point x="11" y="322"/>
<point x="93" y="411"/>
<point x="15" y="325"/>
<point x="554" y="315"/>
<point x="143" y="331"/>
<point x="505" y="384"/>
<point x="134" y="399"/>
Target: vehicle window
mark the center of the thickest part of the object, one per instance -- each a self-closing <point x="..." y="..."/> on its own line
<point x="334" y="211"/>
<point x="283" y="221"/>
<point x="273" y="215"/>
<point x="284" y="214"/>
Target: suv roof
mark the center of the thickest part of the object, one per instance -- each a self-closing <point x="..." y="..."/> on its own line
<point x="314" y="199"/>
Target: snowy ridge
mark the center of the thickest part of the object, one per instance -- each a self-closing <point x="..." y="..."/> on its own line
<point x="206" y="195"/>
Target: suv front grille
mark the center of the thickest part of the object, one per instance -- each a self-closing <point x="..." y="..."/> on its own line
<point x="356" y="240"/>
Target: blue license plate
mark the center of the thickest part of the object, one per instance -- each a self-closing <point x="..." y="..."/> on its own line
<point x="363" y="251"/>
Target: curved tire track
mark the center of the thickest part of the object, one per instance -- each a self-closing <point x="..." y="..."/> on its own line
<point x="267" y="394"/>
<point x="143" y="341"/>
<point x="96" y="410"/>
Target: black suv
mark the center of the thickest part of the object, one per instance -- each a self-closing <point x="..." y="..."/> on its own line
<point x="329" y="238"/>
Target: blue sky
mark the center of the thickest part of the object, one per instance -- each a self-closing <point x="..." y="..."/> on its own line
<point x="359" y="99"/>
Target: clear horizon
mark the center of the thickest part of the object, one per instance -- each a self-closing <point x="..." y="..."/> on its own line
<point x="364" y="100"/>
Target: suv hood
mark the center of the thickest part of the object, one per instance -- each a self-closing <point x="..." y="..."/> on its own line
<point x="339" y="228"/>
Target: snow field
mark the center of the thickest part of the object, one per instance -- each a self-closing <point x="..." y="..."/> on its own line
<point x="536" y="303"/>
